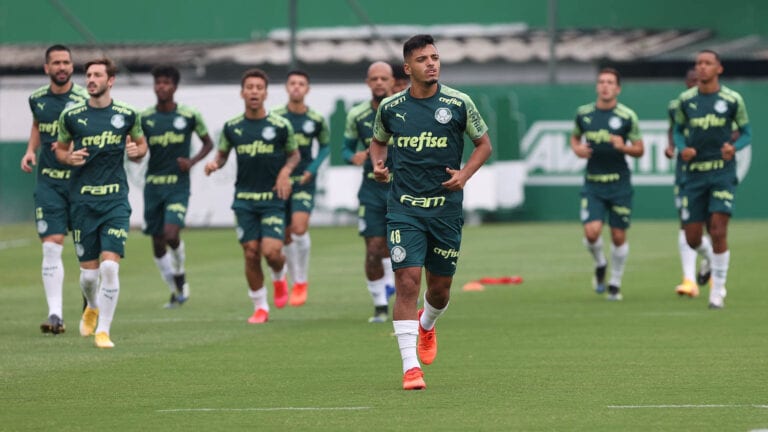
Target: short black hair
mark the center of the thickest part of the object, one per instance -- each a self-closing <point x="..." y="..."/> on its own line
<point x="398" y="72"/>
<point x="57" y="47"/>
<point x="416" y="42"/>
<point x="612" y="71"/>
<point x="713" y="52"/>
<point x="168" y="71"/>
<point x="254" y="73"/>
<point x="298" y="72"/>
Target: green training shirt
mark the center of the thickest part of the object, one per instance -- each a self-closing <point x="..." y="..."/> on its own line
<point x="597" y="126"/>
<point x="307" y="127"/>
<point x="262" y="147"/>
<point x="428" y="137"/>
<point x="46" y="109"/>
<point x="169" y="136"/>
<point x="103" y="132"/>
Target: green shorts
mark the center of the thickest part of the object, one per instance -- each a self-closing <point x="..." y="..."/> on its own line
<point x="164" y="206"/>
<point x="708" y="192"/>
<point x="52" y="208"/>
<point x="255" y="222"/>
<point x="372" y="213"/>
<point x="100" y="226"/>
<point x="433" y="243"/>
<point x="302" y="197"/>
<point x="613" y="200"/>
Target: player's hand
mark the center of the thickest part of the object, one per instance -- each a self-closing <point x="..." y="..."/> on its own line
<point x="688" y="153"/>
<point x="211" y="166"/>
<point x="184" y="164"/>
<point x="583" y="151"/>
<point x="669" y="152"/>
<point x="359" y="158"/>
<point x="457" y="180"/>
<point x="306" y="178"/>
<point x="618" y="143"/>
<point x="283" y="186"/>
<point x="728" y="151"/>
<point x="77" y="157"/>
<point x="380" y="172"/>
<point x="132" y="149"/>
<point x="28" y="161"/>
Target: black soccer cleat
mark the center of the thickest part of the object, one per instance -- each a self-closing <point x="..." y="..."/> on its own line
<point x="53" y="325"/>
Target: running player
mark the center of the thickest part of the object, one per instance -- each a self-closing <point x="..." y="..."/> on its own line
<point x="168" y="127"/>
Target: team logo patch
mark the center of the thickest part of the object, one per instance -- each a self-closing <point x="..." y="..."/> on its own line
<point x="685" y="214"/>
<point x="398" y="254"/>
<point x="721" y="106"/>
<point x="268" y="133"/>
<point x="361" y="225"/>
<point x="239" y="232"/>
<point x="69" y="104"/>
<point x="180" y="122"/>
<point x="42" y="226"/>
<point x="308" y="127"/>
<point x="443" y="115"/>
<point x="118" y="121"/>
<point x="79" y="249"/>
<point x="584" y="214"/>
<point x="614" y="123"/>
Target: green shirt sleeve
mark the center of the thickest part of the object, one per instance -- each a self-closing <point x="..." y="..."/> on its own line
<point x="634" y="131"/>
<point x="290" y="143"/>
<point x="224" y="144"/>
<point x="65" y="135"/>
<point x="200" y="128"/>
<point x="476" y="126"/>
<point x="136" y="131"/>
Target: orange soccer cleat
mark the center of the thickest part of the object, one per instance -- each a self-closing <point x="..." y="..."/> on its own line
<point x="299" y="294"/>
<point x="413" y="379"/>
<point x="427" y="345"/>
<point x="260" y="316"/>
<point x="281" y="292"/>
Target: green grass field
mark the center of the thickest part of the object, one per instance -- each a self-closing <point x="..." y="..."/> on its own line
<point x="548" y="354"/>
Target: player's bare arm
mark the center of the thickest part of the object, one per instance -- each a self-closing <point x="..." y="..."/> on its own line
<point x="582" y="150"/>
<point x="30" y="157"/>
<point x="688" y="153"/>
<point x="378" y="154"/>
<point x="635" y="149"/>
<point x="66" y="155"/>
<point x="359" y="158"/>
<point x="185" y="164"/>
<point x="283" y="182"/>
<point x="217" y="163"/>
<point x="479" y="155"/>
<point x="728" y="151"/>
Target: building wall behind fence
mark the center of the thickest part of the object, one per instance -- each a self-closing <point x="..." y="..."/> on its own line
<point x="533" y="175"/>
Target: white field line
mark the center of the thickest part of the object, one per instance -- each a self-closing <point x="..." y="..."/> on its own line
<point x="264" y="409"/>
<point x="10" y="244"/>
<point x="686" y="406"/>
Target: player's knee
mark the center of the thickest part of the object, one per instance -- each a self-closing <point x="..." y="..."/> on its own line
<point x="251" y="253"/>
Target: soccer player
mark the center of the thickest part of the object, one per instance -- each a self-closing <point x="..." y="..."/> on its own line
<point x="266" y="155"/>
<point x="51" y="190"/>
<point x="168" y="127"/>
<point x="708" y="112"/>
<point x="94" y="137"/>
<point x="401" y="79"/>
<point x="425" y="214"/>
<point x="372" y="221"/>
<point x="689" y="286"/>
<point x="308" y="125"/>
<point x="610" y="133"/>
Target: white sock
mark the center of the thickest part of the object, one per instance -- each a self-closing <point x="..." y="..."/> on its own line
<point x="596" y="250"/>
<point x="389" y="274"/>
<point x="687" y="257"/>
<point x="276" y="276"/>
<point x="407" y="331"/>
<point x="705" y="249"/>
<point x="302" y="244"/>
<point x="430" y="315"/>
<point x="89" y="284"/>
<point x="378" y="290"/>
<point x="179" y="257"/>
<point x="53" y="277"/>
<point x="166" y="271"/>
<point x="720" y="263"/>
<point x="109" y="293"/>
<point x="291" y="260"/>
<point x="618" y="259"/>
<point x="259" y="298"/>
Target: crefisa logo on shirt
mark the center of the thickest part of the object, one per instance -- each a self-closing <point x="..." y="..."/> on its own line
<point x="117" y="120"/>
<point x="268" y="133"/>
<point x="308" y="127"/>
<point x="179" y="122"/>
